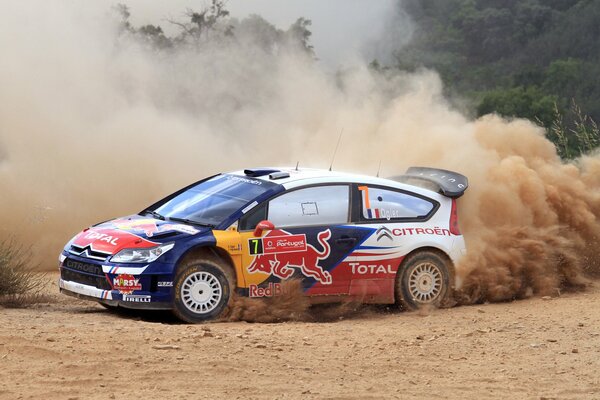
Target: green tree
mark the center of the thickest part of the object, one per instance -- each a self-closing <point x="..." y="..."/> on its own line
<point x="520" y="102"/>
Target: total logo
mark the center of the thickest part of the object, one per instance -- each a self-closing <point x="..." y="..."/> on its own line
<point x="364" y="269"/>
<point x="126" y="284"/>
<point x="280" y="251"/>
<point x="102" y="237"/>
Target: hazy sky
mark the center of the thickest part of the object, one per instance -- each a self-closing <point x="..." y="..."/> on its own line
<point x="342" y="29"/>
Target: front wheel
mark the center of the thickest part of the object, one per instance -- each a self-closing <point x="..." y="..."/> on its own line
<point x="424" y="280"/>
<point x="201" y="291"/>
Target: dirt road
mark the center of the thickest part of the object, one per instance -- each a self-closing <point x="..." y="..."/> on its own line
<point x="531" y="349"/>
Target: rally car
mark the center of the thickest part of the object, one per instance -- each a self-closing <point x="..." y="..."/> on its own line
<point x="344" y="236"/>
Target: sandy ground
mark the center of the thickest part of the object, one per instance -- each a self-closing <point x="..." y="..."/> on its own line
<point x="531" y="349"/>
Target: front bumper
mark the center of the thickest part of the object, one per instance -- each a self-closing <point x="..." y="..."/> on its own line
<point x="99" y="281"/>
<point x="105" y="297"/>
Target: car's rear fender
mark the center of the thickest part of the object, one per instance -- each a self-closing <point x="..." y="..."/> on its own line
<point x="435" y="249"/>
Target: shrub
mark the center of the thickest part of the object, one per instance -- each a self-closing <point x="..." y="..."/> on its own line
<point x="20" y="284"/>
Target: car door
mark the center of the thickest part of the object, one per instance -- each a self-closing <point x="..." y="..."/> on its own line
<point x="311" y="238"/>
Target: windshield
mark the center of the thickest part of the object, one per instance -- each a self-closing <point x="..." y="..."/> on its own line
<point x="212" y="201"/>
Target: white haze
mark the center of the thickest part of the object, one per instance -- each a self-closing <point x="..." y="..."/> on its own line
<point x="93" y="126"/>
<point x="343" y="31"/>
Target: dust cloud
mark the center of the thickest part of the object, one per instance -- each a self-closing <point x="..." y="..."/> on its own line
<point x="293" y="305"/>
<point x="94" y="125"/>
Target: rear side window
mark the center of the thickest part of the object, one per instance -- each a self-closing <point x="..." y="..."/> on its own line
<point x="385" y="204"/>
<point x="317" y="205"/>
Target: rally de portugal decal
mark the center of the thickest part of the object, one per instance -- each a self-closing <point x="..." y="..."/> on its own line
<point x="278" y="244"/>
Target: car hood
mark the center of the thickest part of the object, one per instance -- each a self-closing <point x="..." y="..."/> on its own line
<point x="133" y="231"/>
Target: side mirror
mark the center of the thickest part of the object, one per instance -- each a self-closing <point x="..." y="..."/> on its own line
<point x="263" y="225"/>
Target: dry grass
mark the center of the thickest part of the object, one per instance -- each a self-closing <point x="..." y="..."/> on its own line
<point x="582" y="137"/>
<point x="20" y="284"/>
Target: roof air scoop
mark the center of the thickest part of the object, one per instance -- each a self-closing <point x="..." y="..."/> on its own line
<point x="279" y="175"/>
<point x="255" y="172"/>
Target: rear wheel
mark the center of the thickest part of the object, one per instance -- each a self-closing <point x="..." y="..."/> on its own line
<point x="423" y="280"/>
<point x="201" y="291"/>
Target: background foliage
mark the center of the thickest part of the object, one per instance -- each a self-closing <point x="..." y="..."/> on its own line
<point x="535" y="59"/>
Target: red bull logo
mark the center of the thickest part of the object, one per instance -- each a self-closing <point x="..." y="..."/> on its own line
<point x="150" y="228"/>
<point x="279" y="252"/>
<point x="146" y="225"/>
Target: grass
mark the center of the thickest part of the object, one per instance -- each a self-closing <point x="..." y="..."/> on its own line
<point x="20" y="284"/>
<point x="580" y="137"/>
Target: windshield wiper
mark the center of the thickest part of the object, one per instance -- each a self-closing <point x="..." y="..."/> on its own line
<point x="191" y="222"/>
<point x="154" y="214"/>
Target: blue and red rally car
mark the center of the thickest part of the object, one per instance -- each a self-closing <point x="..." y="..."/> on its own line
<point x="345" y="236"/>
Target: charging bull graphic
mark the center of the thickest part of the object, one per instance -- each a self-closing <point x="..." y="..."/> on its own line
<point x="145" y="225"/>
<point x="279" y="251"/>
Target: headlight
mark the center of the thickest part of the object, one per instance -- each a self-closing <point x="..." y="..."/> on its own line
<point x="141" y="255"/>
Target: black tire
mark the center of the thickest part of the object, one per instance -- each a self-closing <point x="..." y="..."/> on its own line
<point x="423" y="280"/>
<point x="202" y="291"/>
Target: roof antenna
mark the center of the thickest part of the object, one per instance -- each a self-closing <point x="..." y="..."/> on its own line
<point x="336" y="148"/>
<point x="297" y="163"/>
<point x="379" y="168"/>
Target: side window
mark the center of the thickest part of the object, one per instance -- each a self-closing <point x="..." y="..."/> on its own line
<point x="318" y="205"/>
<point x="250" y="220"/>
<point x="378" y="203"/>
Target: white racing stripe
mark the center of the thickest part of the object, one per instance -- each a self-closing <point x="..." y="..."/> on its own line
<point x="378" y="257"/>
<point x="107" y="269"/>
<point x="85" y="289"/>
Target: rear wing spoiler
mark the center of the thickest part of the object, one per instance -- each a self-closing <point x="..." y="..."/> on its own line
<point x="449" y="183"/>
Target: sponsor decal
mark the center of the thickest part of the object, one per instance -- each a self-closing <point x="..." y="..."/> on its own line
<point x="178" y="228"/>
<point x="109" y="241"/>
<point x="244" y="180"/>
<point x="279" y="252"/>
<point x="101" y="237"/>
<point x="421" y="231"/>
<point x="234" y="248"/>
<point x="145" y="225"/>
<point x="165" y="284"/>
<point x="83" y="267"/>
<point x="278" y="244"/>
<point x="449" y="179"/>
<point x="384" y="232"/>
<point x="126" y="283"/>
<point x="136" y="298"/>
<point x="363" y="269"/>
<point x="272" y="289"/>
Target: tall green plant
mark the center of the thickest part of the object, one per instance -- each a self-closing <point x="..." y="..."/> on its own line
<point x="572" y="141"/>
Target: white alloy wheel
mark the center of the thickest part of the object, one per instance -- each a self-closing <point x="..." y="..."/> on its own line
<point x="425" y="282"/>
<point x="201" y="292"/>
